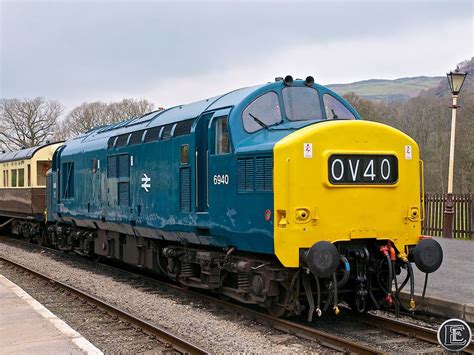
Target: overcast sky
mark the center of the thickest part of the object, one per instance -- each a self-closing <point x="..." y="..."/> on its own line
<point x="177" y="52"/>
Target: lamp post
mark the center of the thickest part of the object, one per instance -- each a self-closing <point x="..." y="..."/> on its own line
<point x="455" y="80"/>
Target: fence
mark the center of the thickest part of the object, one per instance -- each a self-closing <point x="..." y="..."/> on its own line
<point x="463" y="218"/>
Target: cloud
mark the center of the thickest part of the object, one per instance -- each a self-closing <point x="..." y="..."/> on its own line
<point x="174" y="52"/>
<point x="431" y="51"/>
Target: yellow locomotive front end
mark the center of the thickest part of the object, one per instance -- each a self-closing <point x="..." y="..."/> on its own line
<point x="344" y="180"/>
<point x="357" y="185"/>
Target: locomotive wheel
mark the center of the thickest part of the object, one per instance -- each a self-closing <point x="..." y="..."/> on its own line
<point x="277" y="306"/>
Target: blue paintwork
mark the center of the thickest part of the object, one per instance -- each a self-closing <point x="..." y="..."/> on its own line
<point x="232" y="218"/>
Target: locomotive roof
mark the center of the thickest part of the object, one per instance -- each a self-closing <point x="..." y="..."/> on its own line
<point x="101" y="137"/>
<point x="172" y="115"/>
<point x="22" y="154"/>
<point x="97" y="138"/>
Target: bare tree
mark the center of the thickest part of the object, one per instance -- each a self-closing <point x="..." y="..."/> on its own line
<point x="27" y="122"/>
<point x="94" y="114"/>
<point x="128" y="108"/>
<point x="82" y="118"/>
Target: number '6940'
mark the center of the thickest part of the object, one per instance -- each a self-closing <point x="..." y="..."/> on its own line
<point x="221" y="179"/>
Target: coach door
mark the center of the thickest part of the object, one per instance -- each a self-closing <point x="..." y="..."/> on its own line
<point x="201" y="159"/>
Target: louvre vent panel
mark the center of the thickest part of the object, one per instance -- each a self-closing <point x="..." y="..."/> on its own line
<point x="241" y="175"/>
<point x="184" y="190"/>
<point x="183" y="128"/>
<point x="260" y="174"/>
<point x="245" y="174"/>
<point x="152" y="134"/>
<point x="112" y="166"/>
<point x="249" y="174"/>
<point x="123" y="193"/>
<point x="255" y="174"/>
<point x="123" y="165"/>
<point x="269" y="174"/>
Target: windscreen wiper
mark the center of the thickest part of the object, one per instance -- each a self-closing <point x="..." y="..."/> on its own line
<point x="334" y="114"/>
<point x="259" y="121"/>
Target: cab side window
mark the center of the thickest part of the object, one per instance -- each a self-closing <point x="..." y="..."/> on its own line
<point x="264" y="111"/>
<point x="222" y="139"/>
<point x="335" y="109"/>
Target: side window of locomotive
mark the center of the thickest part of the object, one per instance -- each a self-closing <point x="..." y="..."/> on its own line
<point x="301" y="104"/>
<point x="222" y="144"/>
<point x="184" y="154"/>
<point x="94" y="166"/>
<point x="335" y="109"/>
<point x="67" y="181"/>
<point x="263" y="111"/>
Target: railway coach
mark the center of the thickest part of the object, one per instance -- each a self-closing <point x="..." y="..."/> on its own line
<point x="23" y="188"/>
<point x="277" y="195"/>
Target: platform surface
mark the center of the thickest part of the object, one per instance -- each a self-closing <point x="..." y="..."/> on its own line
<point x="454" y="280"/>
<point x="27" y="327"/>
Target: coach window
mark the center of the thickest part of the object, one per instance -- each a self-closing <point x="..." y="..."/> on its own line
<point x="222" y="144"/>
<point x="14" y="178"/>
<point x="42" y="168"/>
<point x="29" y="174"/>
<point x="335" y="109"/>
<point x="21" y="177"/>
<point x="264" y="111"/>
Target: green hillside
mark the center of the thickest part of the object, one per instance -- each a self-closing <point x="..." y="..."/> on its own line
<point x="401" y="89"/>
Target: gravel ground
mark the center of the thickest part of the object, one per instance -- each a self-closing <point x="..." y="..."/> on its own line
<point x="213" y="329"/>
<point x="106" y="332"/>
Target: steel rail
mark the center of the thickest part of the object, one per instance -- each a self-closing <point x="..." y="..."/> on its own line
<point x="177" y="343"/>
<point x="323" y="338"/>
<point x="409" y="329"/>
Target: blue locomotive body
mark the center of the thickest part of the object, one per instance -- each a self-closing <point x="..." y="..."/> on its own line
<point x="190" y="174"/>
<point x="270" y="195"/>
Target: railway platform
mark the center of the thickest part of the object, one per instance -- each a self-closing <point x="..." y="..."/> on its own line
<point x="450" y="290"/>
<point x="27" y="327"/>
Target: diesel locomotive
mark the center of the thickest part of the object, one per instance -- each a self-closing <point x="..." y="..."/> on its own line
<point x="278" y="195"/>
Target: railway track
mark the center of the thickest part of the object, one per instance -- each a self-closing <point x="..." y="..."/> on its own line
<point x="127" y="321"/>
<point x="327" y="339"/>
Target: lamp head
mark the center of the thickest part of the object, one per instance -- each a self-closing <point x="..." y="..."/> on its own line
<point x="456" y="80"/>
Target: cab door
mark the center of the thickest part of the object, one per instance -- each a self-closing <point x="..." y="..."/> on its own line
<point x="220" y="161"/>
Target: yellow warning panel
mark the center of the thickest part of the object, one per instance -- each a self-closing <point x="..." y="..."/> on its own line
<point x="345" y="180"/>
